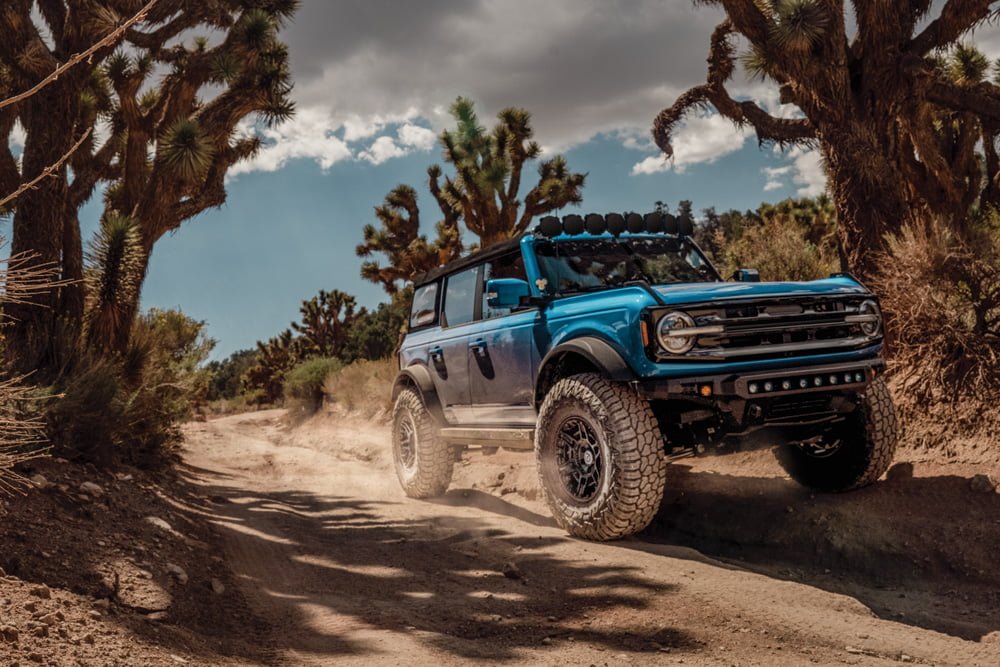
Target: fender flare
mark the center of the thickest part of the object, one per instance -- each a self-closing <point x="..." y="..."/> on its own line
<point x="599" y="353"/>
<point x="419" y="378"/>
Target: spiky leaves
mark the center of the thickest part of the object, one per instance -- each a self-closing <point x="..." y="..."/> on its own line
<point x="113" y="278"/>
<point x="185" y="151"/>
<point x="326" y="320"/>
<point x="797" y="25"/>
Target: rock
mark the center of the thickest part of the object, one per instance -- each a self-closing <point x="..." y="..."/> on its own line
<point x="88" y="638"/>
<point x="30" y="606"/>
<point x="905" y="658"/>
<point x="41" y="591"/>
<point x="178" y="573"/>
<point x="36" y="657"/>
<point x="547" y="641"/>
<point x="51" y="619"/>
<point x="156" y="616"/>
<point x="983" y="483"/>
<point x="103" y="603"/>
<point x="218" y="587"/>
<point x="900" y="472"/>
<point x="91" y="489"/>
<point x="40" y="631"/>
<point x="512" y="571"/>
<point x="9" y="634"/>
<point x="40" y="482"/>
<point x="159" y="523"/>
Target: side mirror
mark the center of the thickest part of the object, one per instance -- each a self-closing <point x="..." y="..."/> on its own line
<point x="506" y="292"/>
<point x="746" y="276"/>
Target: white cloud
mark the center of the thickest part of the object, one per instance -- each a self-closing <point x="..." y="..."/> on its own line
<point x="383" y="149"/>
<point x="316" y="134"/>
<point x="774" y="177"/>
<point x="701" y="139"/>
<point x="309" y="134"/>
<point x="809" y="173"/>
<point x="417" y="137"/>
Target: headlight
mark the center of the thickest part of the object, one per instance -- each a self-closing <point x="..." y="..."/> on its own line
<point x="671" y="323"/>
<point x="871" y="327"/>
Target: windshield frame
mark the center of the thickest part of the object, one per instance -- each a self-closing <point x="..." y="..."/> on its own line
<point x="682" y="243"/>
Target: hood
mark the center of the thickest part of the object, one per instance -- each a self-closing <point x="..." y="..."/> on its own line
<point x="693" y="292"/>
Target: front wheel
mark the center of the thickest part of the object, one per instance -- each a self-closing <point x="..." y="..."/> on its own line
<point x="424" y="463"/>
<point x="600" y="458"/>
<point x="854" y="453"/>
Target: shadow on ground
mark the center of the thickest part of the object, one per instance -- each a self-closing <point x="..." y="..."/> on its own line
<point x="436" y="581"/>
<point x="921" y="551"/>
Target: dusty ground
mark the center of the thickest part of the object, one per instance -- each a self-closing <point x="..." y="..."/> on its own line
<point x="742" y="567"/>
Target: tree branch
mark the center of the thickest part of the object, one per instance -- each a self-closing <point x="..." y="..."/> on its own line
<point x="956" y="18"/>
<point x="110" y="39"/>
<point x="721" y="63"/>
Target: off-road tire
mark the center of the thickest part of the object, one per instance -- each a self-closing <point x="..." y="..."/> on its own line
<point x="868" y="440"/>
<point x="425" y="471"/>
<point x="630" y="486"/>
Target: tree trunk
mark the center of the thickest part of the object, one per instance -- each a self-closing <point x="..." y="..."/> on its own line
<point x="39" y="222"/>
<point x="871" y="195"/>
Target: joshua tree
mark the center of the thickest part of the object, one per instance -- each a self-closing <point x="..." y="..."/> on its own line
<point x="326" y="320"/>
<point x="169" y="147"/>
<point x="266" y="377"/>
<point x="897" y="128"/>
<point x="483" y="194"/>
<point x="399" y="239"/>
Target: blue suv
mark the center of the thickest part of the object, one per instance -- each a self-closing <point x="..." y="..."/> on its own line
<point x="610" y="345"/>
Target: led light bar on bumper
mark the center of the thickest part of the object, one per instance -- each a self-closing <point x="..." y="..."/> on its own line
<point x="851" y="376"/>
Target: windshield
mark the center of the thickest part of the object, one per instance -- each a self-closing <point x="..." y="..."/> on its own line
<point x="576" y="266"/>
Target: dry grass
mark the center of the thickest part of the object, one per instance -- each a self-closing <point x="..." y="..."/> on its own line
<point x="363" y="388"/>
<point x="21" y="438"/>
<point x="942" y="299"/>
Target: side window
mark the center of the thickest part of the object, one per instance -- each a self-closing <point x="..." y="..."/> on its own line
<point x="460" y="297"/>
<point x="424" y="308"/>
<point x="507" y="266"/>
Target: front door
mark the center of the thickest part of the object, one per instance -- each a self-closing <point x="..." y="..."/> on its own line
<point x="448" y="355"/>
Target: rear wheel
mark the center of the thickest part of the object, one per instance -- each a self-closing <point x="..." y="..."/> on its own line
<point x="854" y="453"/>
<point x="600" y="458"/>
<point x="424" y="463"/>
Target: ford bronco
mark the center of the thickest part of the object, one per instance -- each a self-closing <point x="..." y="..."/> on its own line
<point x="611" y="346"/>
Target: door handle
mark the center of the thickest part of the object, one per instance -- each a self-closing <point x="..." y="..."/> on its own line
<point x="478" y="346"/>
<point x="437" y="353"/>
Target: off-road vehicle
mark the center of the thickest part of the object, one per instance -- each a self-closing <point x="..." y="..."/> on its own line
<point x="611" y="346"/>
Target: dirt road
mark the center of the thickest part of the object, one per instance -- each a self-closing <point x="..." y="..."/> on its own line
<point x="741" y="567"/>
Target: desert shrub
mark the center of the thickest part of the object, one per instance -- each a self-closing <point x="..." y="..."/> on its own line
<point x="363" y="387"/>
<point x="941" y="295"/>
<point x="129" y="407"/>
<point x="780" y="249"/>
<point x="304" y="385"/>
<point x="226" y="376"/>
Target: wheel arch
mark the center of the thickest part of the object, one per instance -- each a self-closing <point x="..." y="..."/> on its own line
<point x="587" y="354"/>
<point x="419" y="379"/>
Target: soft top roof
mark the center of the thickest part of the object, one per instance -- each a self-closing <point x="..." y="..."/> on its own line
<point x="501" y="248"/>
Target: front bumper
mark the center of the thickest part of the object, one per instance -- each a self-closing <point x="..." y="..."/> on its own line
<point x="753" y="385"/>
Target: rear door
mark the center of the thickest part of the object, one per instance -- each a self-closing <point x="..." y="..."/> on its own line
<point x="448" y="354"/>
<point x="503" y="356"/>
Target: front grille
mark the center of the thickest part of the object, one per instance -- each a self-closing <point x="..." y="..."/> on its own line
<point x="778" y="328"/>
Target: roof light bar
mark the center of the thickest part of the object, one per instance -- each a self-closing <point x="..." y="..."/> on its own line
<point x="616" y="224"/>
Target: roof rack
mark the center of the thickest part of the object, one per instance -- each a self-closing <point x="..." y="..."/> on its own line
<point x="615" y="224"/>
